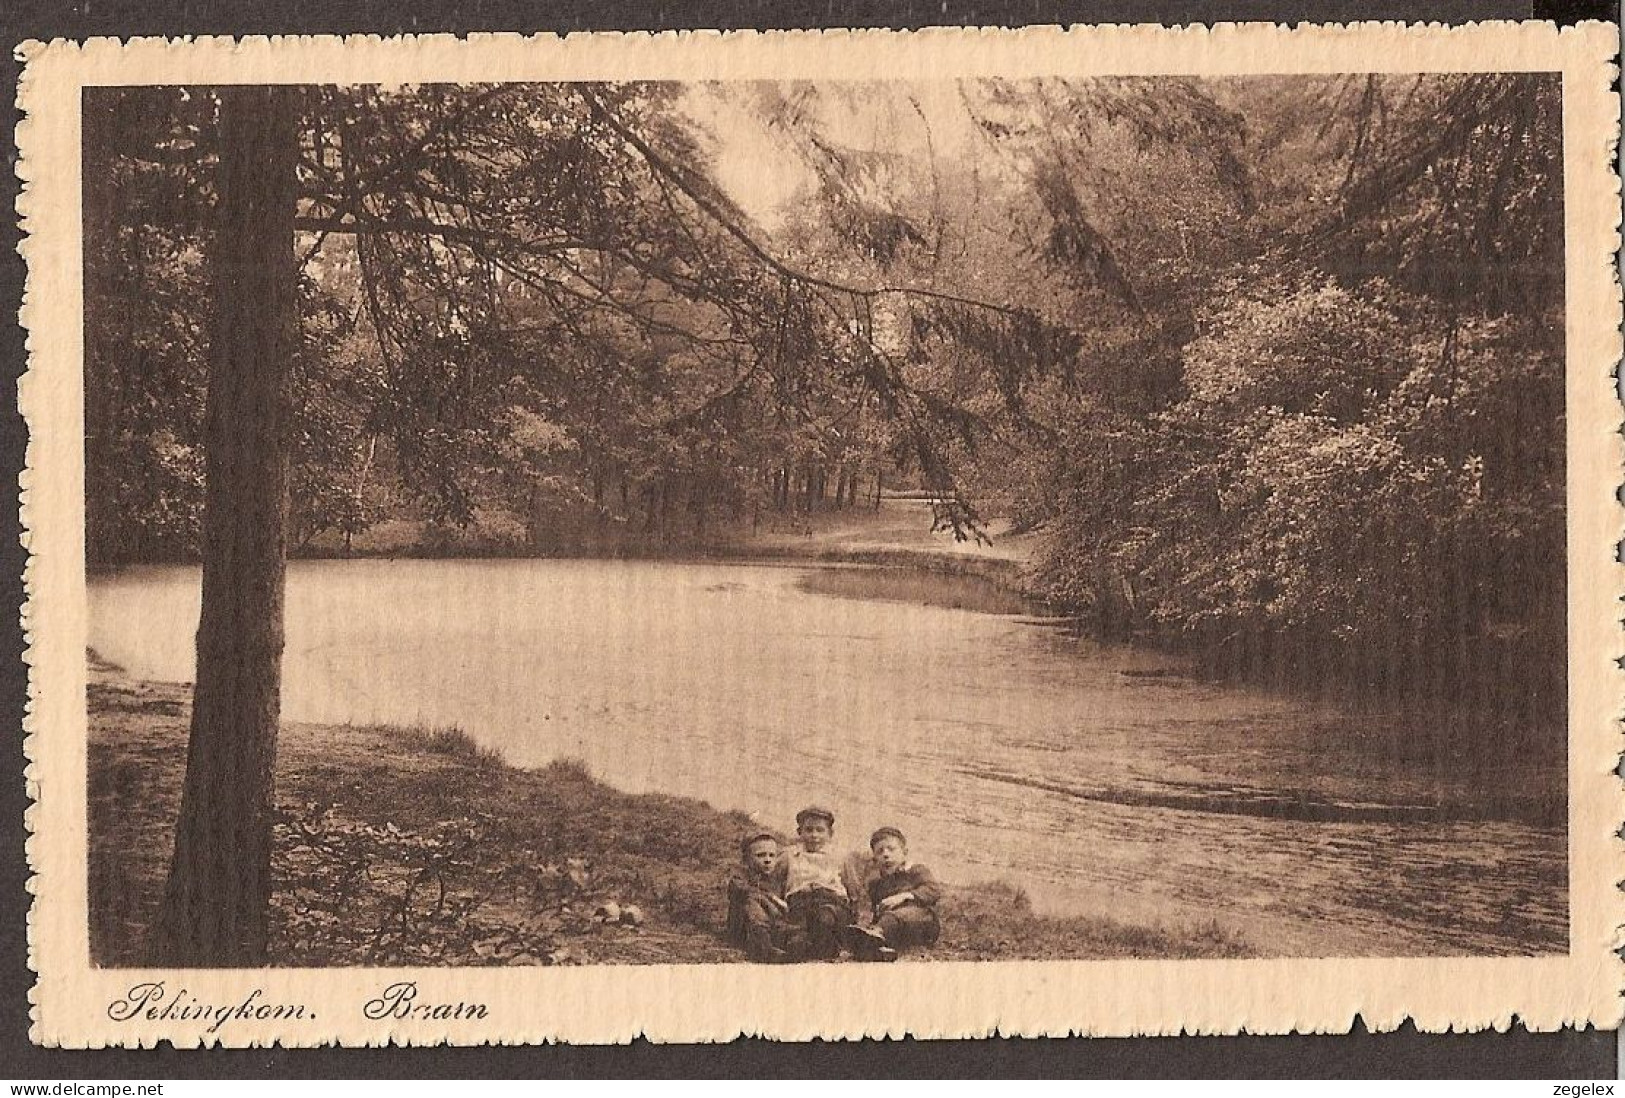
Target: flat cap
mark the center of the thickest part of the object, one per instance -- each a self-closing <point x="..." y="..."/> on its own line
<point x="755" y="837"/>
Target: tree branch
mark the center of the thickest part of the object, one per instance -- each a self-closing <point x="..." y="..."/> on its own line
<point x="712" y="209"/>
<point x="424" y="226"/>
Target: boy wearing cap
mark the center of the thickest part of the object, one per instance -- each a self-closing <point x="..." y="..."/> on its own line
<point x="904" y="896"/>
<point x="756" y="909"/>
<point x="816" y="890"/>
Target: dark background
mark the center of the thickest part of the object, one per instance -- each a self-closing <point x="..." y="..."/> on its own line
<point x="1566" y="1055"/>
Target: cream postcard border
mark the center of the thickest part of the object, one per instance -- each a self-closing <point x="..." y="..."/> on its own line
<point x="719" y="1002"/>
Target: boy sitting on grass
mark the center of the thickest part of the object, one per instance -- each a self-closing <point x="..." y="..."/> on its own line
<point x="904" y="896"/>
<point x="816" y="892"/>
<point x="756" y="910"/>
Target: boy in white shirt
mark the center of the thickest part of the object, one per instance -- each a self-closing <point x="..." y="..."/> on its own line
<point x="816" y="888"/>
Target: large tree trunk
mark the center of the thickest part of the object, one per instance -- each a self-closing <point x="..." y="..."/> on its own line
<point x="216" y="900"/>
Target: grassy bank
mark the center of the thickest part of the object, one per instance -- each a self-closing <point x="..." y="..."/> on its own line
<point x="400" y="846"/>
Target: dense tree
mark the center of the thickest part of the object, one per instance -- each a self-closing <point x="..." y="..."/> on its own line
<point x="216" y="901"/>
<point x="1360" y="471"/>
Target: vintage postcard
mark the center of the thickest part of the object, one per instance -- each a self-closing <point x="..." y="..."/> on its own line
<point x="1103" y="531"/>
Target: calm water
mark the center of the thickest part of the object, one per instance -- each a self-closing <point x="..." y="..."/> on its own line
<point x="1102" y="778"/>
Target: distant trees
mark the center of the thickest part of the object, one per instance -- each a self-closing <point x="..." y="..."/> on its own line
<point x="146" y="325"/>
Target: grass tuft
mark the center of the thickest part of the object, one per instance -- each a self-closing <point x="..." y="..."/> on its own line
<point x="101" y="665"/>
<point x="996" y="920"/>
<point x="453" y="741"/>
<point x="569" y="768"/>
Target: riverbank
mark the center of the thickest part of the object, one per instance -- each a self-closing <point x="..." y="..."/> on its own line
<point x="898" y="532"/>
<point x="400" y="846"/>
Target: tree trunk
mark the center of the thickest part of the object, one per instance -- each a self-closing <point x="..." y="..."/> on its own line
<point x="216" y="900"/>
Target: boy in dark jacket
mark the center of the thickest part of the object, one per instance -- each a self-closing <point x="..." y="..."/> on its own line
<point x="756" y="907"/>
<point x="904" y="896"/>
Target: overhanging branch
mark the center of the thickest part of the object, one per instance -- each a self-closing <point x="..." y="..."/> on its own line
<point x="713" y="210"/>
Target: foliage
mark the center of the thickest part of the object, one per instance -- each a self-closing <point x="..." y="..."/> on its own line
<point x="351" y="893"/>
<point x="144" y="338"/>
<point x="1331" y="487"/>
<point x="149" y="228"/>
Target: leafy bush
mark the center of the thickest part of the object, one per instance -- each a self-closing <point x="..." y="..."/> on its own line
<point x="1337" y="487"/>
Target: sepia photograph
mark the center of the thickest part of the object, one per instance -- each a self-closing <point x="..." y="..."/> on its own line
<point x="877" y="520"/>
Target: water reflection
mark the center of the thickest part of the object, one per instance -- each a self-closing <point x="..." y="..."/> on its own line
<point x="925" y="588"/>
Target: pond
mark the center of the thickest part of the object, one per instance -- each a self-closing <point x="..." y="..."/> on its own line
<point x="1103" y="779"/>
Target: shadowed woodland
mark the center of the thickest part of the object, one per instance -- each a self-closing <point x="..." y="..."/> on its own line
<point x="1271" y="366"/>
